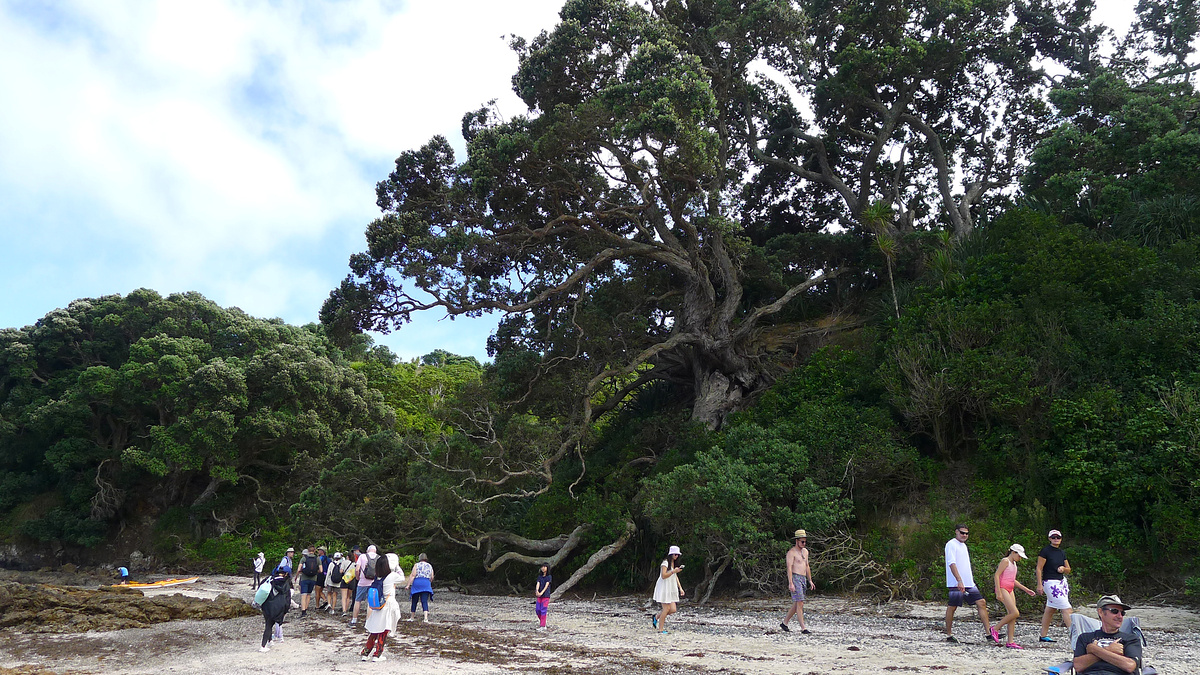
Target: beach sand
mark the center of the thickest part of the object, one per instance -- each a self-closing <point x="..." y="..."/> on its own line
<point x="471" y="634"/>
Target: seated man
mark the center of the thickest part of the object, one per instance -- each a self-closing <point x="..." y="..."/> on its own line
<point x="1108" y="650"/>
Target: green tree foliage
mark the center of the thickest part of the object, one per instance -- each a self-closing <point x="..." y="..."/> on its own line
<point x="1064" y="367"/>
<point x="136" y="404"/>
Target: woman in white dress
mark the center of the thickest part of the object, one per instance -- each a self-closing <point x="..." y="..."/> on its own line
<point x="668" y="590"/>
<point x="382" y="621"/>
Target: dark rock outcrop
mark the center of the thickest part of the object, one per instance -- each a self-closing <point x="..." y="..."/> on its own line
<point x="42" y="608"/>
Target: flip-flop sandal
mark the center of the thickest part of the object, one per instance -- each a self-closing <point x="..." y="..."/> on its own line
<point x="1013" y="645"/>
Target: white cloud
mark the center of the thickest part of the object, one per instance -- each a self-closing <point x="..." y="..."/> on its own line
<point x="226" y="146"/>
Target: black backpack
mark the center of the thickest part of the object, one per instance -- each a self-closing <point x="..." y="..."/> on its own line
<point x="369" y="571"/>
<point x="312" y="566"/>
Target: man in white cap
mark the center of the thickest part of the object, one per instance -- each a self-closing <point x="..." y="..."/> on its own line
<point x="1052" y="568"/>
<point x="960" y="584"/>
<point x="800" y="581"/>
<point x="1108" y="650"/>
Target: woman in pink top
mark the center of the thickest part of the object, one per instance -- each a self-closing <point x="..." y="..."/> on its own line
<point x="1006" y="582"/>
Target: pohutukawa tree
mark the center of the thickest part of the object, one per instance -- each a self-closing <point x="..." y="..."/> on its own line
<point x="665" y="213"/>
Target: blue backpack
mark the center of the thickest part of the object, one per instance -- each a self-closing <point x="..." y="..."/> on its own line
<point x="375" y="598"/>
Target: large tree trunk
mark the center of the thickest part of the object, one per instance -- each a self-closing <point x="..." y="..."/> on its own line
<point x="719" y="390"/>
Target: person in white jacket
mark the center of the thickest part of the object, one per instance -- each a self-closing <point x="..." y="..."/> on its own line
<point x="259" y="563"/>
<point x="382" y="621"/>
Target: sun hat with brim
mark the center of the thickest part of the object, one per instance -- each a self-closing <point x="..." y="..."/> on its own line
<point x="1019" y="549"/>
<point x="800" y="534"/>
<point x="1109" y="600"/>
<point x="674" y="550"/>
<point x="291" y="550"/>
<point x="337" y="555"/>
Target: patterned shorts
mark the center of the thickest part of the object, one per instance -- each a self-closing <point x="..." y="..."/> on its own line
<point x="801" y="583"/>
<point x="1056" y="593"/>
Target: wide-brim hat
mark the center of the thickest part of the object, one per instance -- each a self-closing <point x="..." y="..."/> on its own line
<point x="1108" y="600"/>
<point x="1019" y="549"/>
<point x="800" y="534"/>
<point x="291" y="550"/>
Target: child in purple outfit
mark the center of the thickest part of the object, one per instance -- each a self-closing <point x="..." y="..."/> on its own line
<point x="542" y="593"/>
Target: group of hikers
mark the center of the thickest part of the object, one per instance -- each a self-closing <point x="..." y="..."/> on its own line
<point x="356" y="578"/>
<point x="373" y="579"/>
<point x="1112" y="648"/>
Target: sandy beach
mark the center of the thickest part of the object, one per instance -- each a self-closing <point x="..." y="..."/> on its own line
<point x="495" y="634"/>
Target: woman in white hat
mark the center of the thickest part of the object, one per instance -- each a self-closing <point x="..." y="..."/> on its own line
<point x="1006" y="582"/>
<point x="667" y="589"/>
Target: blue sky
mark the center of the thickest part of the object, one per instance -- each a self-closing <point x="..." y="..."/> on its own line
<point x="232" y="148"/>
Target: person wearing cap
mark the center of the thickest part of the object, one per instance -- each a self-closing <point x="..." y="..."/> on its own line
<point x="333" y="581"/>
<point x="285" y="561"/>
<point x="667" y="589"/>
<point x="960" y="585"/>
<point x="1108" y="650"/>
<point x="1052" y="568"/>
<point x="322" y="577"/>
<point x="309" y="570"/>
<point x="1006" y="583"/>
<point x="800" y="582"/>
<point x="259" y="563"/>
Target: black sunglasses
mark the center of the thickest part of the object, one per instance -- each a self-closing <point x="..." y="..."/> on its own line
<point x="1056" y="536"/>
<point x="964" y="532"/>
<point x="1115" y="611"/>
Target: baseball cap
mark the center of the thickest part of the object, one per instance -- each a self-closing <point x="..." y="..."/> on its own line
<point x="1019" y="549"/>
<point x="1107" y="600"/>
<point x="1054" y="532"/>
<point x="337" y="555"/>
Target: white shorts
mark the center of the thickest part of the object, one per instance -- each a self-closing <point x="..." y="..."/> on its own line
<point x="1056" y="593"/>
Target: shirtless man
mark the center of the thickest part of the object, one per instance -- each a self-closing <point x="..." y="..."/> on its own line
<point x="800" y="581"/>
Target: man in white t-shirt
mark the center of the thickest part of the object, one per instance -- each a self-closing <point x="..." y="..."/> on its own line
<point x="960" y="584"/>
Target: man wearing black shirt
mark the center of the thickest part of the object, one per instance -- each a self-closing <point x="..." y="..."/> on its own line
<point x="1108" y="650"/>
<point x="1052" y="568"/>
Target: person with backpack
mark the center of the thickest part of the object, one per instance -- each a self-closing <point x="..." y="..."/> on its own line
<point x="310" y="570"/>
<point x="333" y="581"/>
<point x="319" y="589"/>
<point x="381" y="600"/>
<point x="366" y="576"/>
<point x="349" y="572"/>
<point x="275" y="599"/>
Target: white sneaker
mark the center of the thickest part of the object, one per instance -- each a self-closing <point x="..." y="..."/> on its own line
<point x="381" y="657"/>
<point x="264" y="649"/>
<point x="541" y="628"/>
<point x="365" y="658"/>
